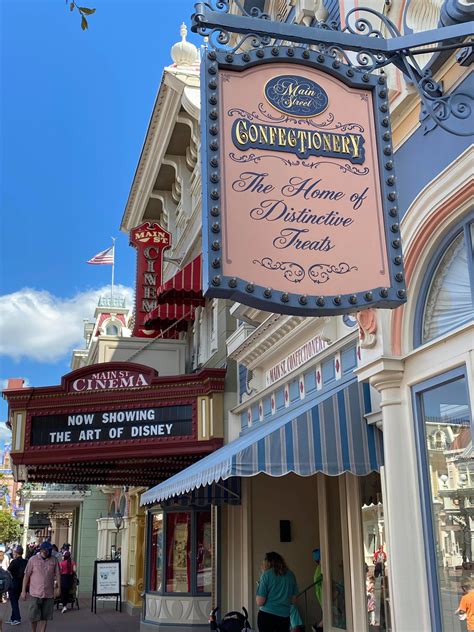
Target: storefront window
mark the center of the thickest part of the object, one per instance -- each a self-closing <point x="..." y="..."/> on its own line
<point x="446" y="418"/>
<point x="180" y="552"/>
<point x="336" y="561"/>
<point x="376" y="555"/>
<point x="178" y="546"/>
<point x="204" y="552"/>
<point x="156" y="562"/>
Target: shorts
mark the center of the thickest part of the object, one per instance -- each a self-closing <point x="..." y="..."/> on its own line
<point x="41" y="609"/>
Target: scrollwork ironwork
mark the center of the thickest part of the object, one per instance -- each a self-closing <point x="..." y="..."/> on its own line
<point x="438" y="108"/>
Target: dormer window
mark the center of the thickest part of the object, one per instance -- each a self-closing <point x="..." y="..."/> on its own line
<point x="112" y="330"/>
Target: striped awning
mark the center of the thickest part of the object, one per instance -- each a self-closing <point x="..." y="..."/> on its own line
<point x="329" y="435"/>
<point x="164" y="315"/>
<point x="184" y="287"/>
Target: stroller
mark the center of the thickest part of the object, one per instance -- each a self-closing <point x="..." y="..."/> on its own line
<point x="230" y="622"/>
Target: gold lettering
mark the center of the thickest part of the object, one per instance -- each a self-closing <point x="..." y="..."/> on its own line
<point x="327" y="142"/>
<point x="241" y="132"/>
<point x="273" y="131"/>
<point x="291" y="138"/>
<point x="253" y="133"/>
<point x="317" y="140"/>
<point x="345" y="145"/>
<point x="281" y="136"/>
<point x="336" y="143"/>
<point x="355" y="144"/>
<point x="263" y="134"/>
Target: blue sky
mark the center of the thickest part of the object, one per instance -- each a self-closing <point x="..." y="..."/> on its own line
<point x="74" y="115"/>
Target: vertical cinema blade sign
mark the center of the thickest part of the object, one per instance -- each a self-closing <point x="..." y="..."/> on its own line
<point x="300" y="204"/>
<point x="150" y="241"/>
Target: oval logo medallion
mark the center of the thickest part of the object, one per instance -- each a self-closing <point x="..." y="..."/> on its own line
<point x="297" y="96"/>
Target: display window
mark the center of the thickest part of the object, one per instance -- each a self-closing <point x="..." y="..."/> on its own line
<point x="180" y="552"/>
<point x="204" y="552"/>
<point x="444" y="434"/>
<point x="156" y="552"/>
<point x="178" y="549"/>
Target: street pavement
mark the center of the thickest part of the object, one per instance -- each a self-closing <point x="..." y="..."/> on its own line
<point x="82" y="620"/>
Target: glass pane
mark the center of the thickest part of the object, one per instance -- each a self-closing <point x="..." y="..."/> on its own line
<point x="449" y="299"/>
<point x="376" y="558"/>
<point x="178" y="545"/>
<point x="446" y="416"/>
<point x="156" y="561"/>
<point x="204" y="552"/>
<point x="336" y="562"/>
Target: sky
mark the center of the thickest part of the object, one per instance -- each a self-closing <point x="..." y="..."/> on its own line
<point x="74" y="113"/>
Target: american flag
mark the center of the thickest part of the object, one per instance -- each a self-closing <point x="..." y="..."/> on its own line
<point x="103" y="257"/>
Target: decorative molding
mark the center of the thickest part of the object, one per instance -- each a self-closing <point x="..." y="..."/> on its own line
<point x="444" y="198"/>
<point x="367" y="328"/>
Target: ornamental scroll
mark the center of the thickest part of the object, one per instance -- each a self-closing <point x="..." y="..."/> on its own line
<point x="299" y="196"/>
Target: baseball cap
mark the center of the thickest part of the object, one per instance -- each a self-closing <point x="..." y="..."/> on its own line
<point x="19" y="549"/>
<point x="46" y="545"/>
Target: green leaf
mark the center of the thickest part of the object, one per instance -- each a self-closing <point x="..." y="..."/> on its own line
<point x="86" y="11"/>
<point x="71" y="6"/>
<point x="84" y="24"/>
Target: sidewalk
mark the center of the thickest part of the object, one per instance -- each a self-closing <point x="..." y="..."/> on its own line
<point x="106" y="620"/>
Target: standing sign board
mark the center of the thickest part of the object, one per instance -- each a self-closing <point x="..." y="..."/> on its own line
<point x="299" y="186"/>
<point x="107" y="582"/>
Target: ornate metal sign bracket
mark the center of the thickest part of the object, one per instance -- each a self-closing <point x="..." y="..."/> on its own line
<point x="360" y="45"/>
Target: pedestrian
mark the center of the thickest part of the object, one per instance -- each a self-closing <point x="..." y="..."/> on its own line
<point x="42" y="580"/>
<point x="67" y="569"/>
<point x="56" y="553"/>
<point x="466" y="605"/>
<point x="4" y="560"/>
<point x="370" y="590"/>
<point x="5" y="585"/>
<point x="17" y="571"/>
<point x="318" y="588"/>
<point x="276" y="592"/>
<point x="380" y="557"/>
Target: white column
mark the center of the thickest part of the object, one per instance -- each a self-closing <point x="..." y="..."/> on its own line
<point x="26" y="521"/>
<point x="406" y="557"/>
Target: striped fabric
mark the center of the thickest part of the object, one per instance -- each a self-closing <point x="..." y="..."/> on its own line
<point x="226" y="492"/>
<point x="185" y="287"/>
<point x="329" y="436"/>
<point x="163" y="315"/>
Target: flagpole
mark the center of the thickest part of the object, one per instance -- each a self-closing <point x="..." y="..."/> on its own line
<point x="113" y="269"/>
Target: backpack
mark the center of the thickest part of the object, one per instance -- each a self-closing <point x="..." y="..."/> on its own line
<point x="6" y="581"/>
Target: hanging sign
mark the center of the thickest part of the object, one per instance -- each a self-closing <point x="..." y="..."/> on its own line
<point x="300" y="212"/>
<point x="150" y="240"/>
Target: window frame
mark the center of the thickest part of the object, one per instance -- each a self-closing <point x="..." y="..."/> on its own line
<point x="462" y="226"/>
<point x="165" y="511"/>
<point x="424" y="483"/>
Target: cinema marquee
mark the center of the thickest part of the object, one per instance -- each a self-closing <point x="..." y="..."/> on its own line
<point x="300" y="202"/>
<point x="114" y="423"/>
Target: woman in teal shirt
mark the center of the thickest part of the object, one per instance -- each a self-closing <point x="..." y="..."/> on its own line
<point x="276" y="592"/>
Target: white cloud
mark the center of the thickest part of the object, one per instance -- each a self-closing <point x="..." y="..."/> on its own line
<point x="39" y="326"/>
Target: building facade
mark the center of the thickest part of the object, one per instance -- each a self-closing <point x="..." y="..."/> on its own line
<point x="355" y="433"/>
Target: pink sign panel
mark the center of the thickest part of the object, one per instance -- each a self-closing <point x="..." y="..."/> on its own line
<point x="301" y="206"/>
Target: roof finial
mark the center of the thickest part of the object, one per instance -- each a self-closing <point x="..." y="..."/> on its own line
<point x="184" y="53"/>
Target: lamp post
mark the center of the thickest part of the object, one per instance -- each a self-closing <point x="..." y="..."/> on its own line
<point x="118" y="522"/>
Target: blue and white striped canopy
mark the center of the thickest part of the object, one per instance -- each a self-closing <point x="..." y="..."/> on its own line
<point x="329" y="436"/>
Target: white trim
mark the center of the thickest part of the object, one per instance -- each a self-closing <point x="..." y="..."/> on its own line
<point x="18" y="429"/>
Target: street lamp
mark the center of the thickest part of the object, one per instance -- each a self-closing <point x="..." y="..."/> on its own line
<point x="118" y="522"/>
